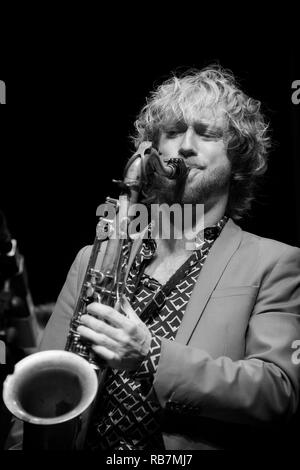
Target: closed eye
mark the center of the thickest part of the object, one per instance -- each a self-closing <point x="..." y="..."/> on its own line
<point x="211" y="136"/>
<point x="172" y="131"/>
<point x="208" y="132"/>
<point x="173" y="134"/>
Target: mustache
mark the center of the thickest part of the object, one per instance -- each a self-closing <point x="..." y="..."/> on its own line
<point x="190" y="162"/>
<point x="210" y="184"/>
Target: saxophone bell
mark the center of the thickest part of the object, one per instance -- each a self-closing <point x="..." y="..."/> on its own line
<point x="51" y="392"/>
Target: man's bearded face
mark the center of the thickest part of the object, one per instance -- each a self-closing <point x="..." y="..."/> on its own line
<point x="202" y="146"/>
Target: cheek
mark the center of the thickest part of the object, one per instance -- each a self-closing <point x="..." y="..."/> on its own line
<point x="217" y="154"/>
<point x="168" y="148"/>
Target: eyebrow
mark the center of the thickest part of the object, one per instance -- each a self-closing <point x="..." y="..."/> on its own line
<point x="179" y="125"/>
<point x="200" y="127"/>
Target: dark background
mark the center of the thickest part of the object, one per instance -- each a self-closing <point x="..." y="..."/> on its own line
<point x="64" y="136"/>
<point x="76" y="80"/>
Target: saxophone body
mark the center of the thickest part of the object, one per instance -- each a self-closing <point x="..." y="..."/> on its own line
<point x="53" y="392"/>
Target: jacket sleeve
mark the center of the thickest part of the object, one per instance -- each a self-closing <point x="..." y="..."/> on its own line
<point x="56" y="331"/>
<point x="261" y="388"/>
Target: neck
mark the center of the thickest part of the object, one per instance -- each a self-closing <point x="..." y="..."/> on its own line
<point x="176" y="233"/>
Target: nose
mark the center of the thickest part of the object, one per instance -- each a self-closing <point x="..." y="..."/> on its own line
<point x="187" y="145"/>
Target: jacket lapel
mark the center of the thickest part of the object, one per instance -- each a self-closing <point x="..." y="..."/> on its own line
<point x="218" y="258"/>
<point x="215" y="264"/>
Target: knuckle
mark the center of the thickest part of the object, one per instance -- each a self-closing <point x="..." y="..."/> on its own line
<point x="108" y="311"/>
<point x="132" y="328"/>
<point x="92" y="309"/>
<point x="123" y="338"/>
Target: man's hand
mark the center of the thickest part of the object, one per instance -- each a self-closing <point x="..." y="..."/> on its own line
<point x="123" y="341"/>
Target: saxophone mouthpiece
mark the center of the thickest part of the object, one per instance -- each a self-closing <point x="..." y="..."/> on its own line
<point x="174" y="168"/>
<point x="178" y="168"/>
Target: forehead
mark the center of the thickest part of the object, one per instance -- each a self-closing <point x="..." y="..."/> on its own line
<point x="191" y="116"/>
<point x="200" y="125"/>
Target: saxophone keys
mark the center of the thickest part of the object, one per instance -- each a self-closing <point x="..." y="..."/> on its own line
<point x="90" y="289"/>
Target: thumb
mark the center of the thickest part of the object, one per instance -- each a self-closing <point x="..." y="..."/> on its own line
<point x="127" y="309"/>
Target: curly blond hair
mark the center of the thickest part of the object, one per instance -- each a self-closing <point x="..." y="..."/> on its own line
<point x="216" y="90"/>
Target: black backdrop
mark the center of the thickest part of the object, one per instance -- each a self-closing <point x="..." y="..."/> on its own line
<point x="65" y="128"/>
<point x="75" y="82"/>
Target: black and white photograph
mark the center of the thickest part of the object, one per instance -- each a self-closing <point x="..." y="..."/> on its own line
<point x="150" y="246"/>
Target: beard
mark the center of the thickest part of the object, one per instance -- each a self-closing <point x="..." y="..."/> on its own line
<point x="199" y="187"/>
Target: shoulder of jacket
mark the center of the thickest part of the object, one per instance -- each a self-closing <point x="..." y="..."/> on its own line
<point x="270" y="246"/>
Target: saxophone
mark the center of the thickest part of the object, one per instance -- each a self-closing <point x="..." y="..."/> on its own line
<point x="53" y="392"/>
<point x="107" y="284"/>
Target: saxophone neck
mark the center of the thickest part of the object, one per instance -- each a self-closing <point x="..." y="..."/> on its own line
<point x="145" y="163"/>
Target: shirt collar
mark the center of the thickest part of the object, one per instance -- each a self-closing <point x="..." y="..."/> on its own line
<point x="211" y="233"/>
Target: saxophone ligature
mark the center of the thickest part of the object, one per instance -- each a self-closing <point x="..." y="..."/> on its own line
<point x="53" y="392"/>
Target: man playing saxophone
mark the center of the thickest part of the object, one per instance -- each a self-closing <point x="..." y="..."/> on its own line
<point x="206" y="355"/>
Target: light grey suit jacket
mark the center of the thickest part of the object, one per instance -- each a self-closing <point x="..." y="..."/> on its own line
<point x="234" y="364"/>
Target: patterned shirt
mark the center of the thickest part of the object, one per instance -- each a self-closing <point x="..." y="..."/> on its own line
<point x="126" y="419"/>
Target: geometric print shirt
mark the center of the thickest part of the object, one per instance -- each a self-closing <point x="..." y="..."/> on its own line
<point x="126" y="419"/>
